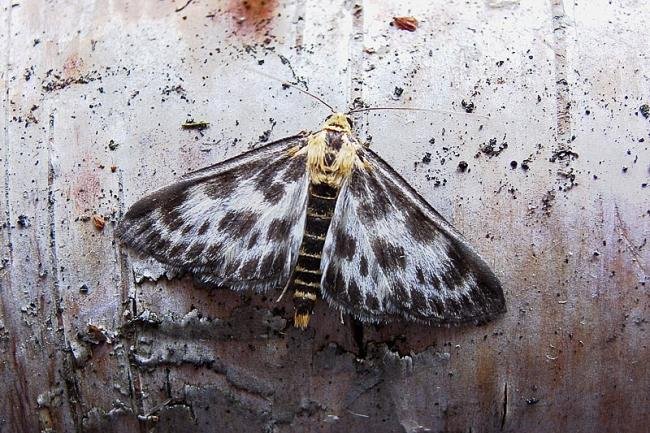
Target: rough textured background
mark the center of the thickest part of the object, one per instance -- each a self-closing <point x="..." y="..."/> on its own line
<point x="94" y="340"/>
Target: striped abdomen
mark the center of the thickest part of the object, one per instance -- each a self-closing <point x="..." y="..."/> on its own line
<point x="306" y="278"/>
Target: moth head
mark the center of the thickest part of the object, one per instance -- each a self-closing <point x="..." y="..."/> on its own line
<point x="338" y="122"/>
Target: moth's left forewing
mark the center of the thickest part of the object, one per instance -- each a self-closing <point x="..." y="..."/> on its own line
<point x="238" y="223"/>
<point x="388" y="253"/>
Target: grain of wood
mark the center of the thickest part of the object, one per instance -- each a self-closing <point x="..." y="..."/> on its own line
<point x="93" y="338"/>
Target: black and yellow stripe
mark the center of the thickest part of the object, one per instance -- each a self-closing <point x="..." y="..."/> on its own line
<point x="306" y="278"/>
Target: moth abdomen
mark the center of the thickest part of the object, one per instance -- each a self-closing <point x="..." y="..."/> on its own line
<point x="307" y="275"/>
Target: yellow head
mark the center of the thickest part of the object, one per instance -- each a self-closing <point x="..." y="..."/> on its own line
<point x="338" y="122"/>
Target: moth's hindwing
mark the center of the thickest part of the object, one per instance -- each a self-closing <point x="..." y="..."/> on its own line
<point x="389" y="254"/>
<point x="237" y="224"/>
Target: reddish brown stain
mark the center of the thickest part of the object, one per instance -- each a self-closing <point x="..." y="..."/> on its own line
<point x="85" y="191"/>
<point x="252" y="16"/>
<point x="73" y="66"/>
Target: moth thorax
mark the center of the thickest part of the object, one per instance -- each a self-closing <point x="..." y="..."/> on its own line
<point x="330" y="157"/>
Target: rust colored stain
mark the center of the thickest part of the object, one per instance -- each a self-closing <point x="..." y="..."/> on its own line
<point x="85" y="186"/>
<point x="85" y="191"/>
<point x="73" y="66"/>
<point x="252" y="16"/>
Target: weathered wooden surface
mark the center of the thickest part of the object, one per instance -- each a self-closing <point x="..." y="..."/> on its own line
<point x="92" y="339"/>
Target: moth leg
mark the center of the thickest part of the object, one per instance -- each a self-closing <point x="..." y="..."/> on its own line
<point x="283" y="292"/>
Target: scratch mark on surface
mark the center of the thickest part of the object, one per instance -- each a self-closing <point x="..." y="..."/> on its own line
<point x="504" y="406"/>
<point x="562" y="95"/>
<point x="623" y="231"/>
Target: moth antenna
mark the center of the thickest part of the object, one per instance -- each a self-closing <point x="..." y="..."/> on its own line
<point x="286" y="83"/>
<point x="415" y="109"/>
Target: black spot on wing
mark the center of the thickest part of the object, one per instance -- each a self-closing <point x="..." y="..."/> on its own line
<point x="273" y="193"/>
<point x="466" y="303"/>
<point x="419" y="275"/>
<point x="238" y="223"/>
<point x="339" y="283"/>
<point x="267" y="263"/>
<point x="363" y="266"/>
<point x="345" y="245"/>
<point x="280" y="260"/>
<point x="165" y="199"/>
<point x="455" y="274"/>
<point x="354" y="294"/>
<point x="486" y="291"/>
<point x="148" y="237"/>
<point x="161" y="244"/>
<point x="436" y="306"/>
<point x="195" y="251"/>
<point x="171" y="217"/>
<point x="295" y="169"/>
<point x="273" y="262"/>
<point x="372" y="302"/>
<point x="373" y="202"/>
<point x="401" y="295"/>
<point x="222" y="185"/>
<point x="214" y="251"/>
<point x="419" y="302"/>
<point x="249" y="267"/>
<point x="266" y="176"/>
<point x="129" y="229"/>
<point x="204" y="227"/>
<point x="279" y="230"/>
<point x="389" y="256"/>
<point x="253" y="239"/>
<point x="417" y="224"/>
<point x="151" y="238"/>
<point x="433" y="279"/>
<point x="330" y="278"/>
<point x="453" y="309"/>
<point x="178" y="249"/>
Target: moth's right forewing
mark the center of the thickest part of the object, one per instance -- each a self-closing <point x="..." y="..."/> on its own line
<point x="238" y="223"/>
<point x="389" y="254"/>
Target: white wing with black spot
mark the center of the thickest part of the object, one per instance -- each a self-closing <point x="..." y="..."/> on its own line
<point x="389" y="254"/>
<point x="236" y="224"/>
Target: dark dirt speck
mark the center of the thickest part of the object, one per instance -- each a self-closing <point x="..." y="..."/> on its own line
<point x="23" y="221"/>
<point x="645" y="110"/>
<point x="469" y="107"/>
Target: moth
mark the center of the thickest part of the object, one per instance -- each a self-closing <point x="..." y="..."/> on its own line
<point x="321" y="215"/>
